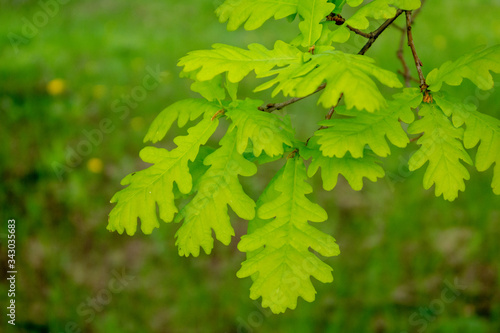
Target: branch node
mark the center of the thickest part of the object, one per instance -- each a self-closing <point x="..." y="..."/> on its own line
<point x="218" y="113"/>
<point x="339" y="20"/>
<point x="427" y="95"/>
<point x="292" y="154"/>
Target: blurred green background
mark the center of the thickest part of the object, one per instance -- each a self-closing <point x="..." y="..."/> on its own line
<point x="401" y="247"/>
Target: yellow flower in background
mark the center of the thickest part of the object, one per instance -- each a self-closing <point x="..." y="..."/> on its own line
<point x="95" y="165"/>
<point x="137" y="64"/>
<point x="99" y="91"/>
<point x="440" y="42"/>
<point x="137" y="123"/>
<point x="56" y="87"/>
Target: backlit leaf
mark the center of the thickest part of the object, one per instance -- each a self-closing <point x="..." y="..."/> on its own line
<point x="441" y="146"/>
<point x="153" y="187"/>
<point x="282" y="269"/>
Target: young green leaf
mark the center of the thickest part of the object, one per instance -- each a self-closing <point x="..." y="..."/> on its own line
<point x="238" y="62"/>
<point x="339" y="4"/>
<point x="269" y="194"/>
<point x="362" y="128"/>
<point x="268" y="132"/>
<point x="211" y="90"/>
<point x="232" y="89"/>
<point x="441" y="145"/>
<point x="339" y="34"/>
<point x="354" y="3"/>
<point x="196" y="169"/>
<point x="480" y="128"/>
<point x="312" y="12"/>
<point x="218" y="188"/>
<point x="284" y="265"/>
<point x="254" y="12"/>
<point x="182" y="111"/>
<point x="475" y="66"/>
<point x="379" y="10"/>
<point x="353" y="169"/>
<point x="347" y="74"/>
<point x="154" y="185"/>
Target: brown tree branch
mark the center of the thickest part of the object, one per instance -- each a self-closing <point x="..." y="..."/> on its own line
<point x="358" y="32"/>
<point x="332" y="110"/>
<point x="418" y="63"/>
<point x="327" y="117"/>
<point x="411" y="44"/>
<point x="375" y="34"/>
<point x="400" y="54"/>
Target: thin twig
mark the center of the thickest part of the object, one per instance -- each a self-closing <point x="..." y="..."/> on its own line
<point x="278" y="106"/>
<point x="327" y="117"/>
<point x="332" y="110"/>
<point x="411" y="44"/>
<point x="339" y="20"/>
<point x="375" y="34"/>
<point x="400" y="54"/>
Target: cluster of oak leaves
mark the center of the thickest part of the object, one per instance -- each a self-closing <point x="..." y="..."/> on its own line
<point x="279" y="238"/>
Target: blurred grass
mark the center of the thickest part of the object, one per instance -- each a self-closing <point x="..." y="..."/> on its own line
<point x="399" y="243"/>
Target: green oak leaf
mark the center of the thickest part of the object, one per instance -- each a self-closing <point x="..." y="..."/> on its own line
<point x="441" y="145"/>
<point x="479" y="129"/>
<point x="268" y="132"/>
<point x="283" y="265"/>
<point x="313" y="12"/>
<point x="343" y="73"/>
<point x="211" y="90"/>
<point x="183" y="111"/>
<point x="253" y="13"/>
<point x="238" y="62"/>
<point x="153" y="187"/>
<point x="218" y="188"/>
<point x="360" y="129"/>
<point x="475" y="66"/>
<point x="353" y="169"/>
